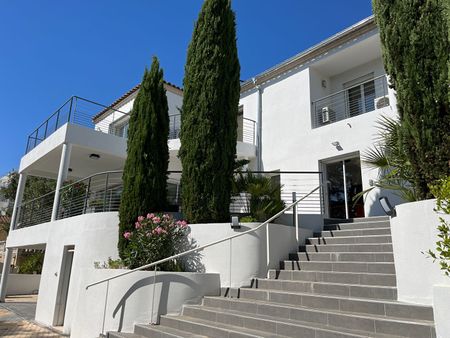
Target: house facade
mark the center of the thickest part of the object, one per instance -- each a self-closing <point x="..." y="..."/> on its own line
<point x="313" y="115"/>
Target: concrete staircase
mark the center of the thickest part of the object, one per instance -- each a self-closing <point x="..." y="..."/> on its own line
<point x="340" y="284"/>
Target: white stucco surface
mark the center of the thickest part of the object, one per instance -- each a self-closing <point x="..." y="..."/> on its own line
<point x="130" y="298"/>
<point x="248" y="252"/>
<point x="441" y="309"/>
<point x="94" y="237"/>
<point x="22" y="284"/>
<point x="414" y="232"/>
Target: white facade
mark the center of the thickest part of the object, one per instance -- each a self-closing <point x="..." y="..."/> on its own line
<point x="284" y="128"/>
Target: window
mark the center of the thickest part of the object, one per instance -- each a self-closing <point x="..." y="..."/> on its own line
<point x="360" y="95"/>
<point x="122" y="130"/>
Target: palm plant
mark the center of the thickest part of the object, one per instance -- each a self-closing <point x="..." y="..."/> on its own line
<point x="389" y="157"/>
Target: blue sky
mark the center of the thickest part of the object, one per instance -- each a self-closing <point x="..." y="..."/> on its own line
<point x="98" y="49"/>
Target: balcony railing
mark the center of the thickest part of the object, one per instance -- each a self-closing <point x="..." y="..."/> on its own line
<point x="356" y="100"/>
<point x="78" y="111"/>
<point x="81" y="111"/>
<point x="102" y="193"/>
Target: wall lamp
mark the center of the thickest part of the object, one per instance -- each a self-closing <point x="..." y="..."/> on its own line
<point x="337" y="145"/>
<point x="94" y="156"/>
<point x="235" y="222"/>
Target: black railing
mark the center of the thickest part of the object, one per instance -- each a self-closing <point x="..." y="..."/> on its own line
<point x="76" y="110"/>
<point x="102" y="193"/>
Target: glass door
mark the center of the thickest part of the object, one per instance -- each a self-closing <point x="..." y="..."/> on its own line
<point x="344" y="182"/>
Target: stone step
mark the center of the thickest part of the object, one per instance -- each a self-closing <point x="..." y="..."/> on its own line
<point x="350" y="240"/>
<point x="348" y="290"/>
<point x="357" y="232"/>
<point x="356" y="220"/>
<point x="161" y="331"/>
<point x="267" y="324"/>
<point x="379" y="247"/>
<point x="388" y="268"/>
<point x="217" y="329"/>
<point x="368" y="323"/>
<point x="357" y="225"/>
<point x="354" y="305"/>
<point x="127" y="335"/>
<point x="342" y="256"/>
<point x="335" y="277"/>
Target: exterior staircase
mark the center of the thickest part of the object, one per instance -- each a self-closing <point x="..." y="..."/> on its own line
<point x="340" y="284"/>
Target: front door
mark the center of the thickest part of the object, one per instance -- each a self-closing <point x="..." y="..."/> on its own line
<point x="343" y="183"/>
<point x="63" y="286"/>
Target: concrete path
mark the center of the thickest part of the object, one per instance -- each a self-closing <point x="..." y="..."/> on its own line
<point x="16" y="319"/>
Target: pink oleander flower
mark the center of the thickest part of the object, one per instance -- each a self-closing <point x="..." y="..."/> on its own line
<point x="137" y="225"/>
<point x="182" y="224"/>
<point x="166" y="216"/>
<point x="156" y="219"/>
<point x="141" y="218"/>
<point x="150" y="216"/>
<point x="127" y="234"/>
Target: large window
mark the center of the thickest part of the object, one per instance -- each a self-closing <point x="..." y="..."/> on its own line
<point x="360" y="97"/>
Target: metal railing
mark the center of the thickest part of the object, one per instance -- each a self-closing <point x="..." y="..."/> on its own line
<point x="154" y="265"/>
<point x="80" y="111"/>
<point x="101" y="192"/>
<point x="356" y="100"/>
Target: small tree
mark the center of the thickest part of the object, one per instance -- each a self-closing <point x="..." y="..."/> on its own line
<point x="209" y="115"/>
<point x="145" y="171"/>
<point x="414" y="36"/>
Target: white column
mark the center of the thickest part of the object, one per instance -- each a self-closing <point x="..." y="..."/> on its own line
<point x="12" y="226"/>
<point x="258" y="126"/>
<point x="62" y="175"/>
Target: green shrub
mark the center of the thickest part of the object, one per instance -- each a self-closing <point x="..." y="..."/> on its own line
<point x="32" y="263"/>
<point x="442" y="254"/>
<point x="155" y="237"/>
<point x="248" y="219"/>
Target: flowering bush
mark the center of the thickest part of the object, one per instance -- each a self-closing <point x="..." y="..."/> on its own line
<point x="156" y="236"/>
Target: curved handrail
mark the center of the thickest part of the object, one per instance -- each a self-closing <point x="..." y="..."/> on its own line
<point x="200" y="248"/>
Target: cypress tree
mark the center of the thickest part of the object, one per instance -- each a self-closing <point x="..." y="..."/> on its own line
<point x="414" y="37"/>
<point x="209" y="114"/>
<point x="145" y="171"/>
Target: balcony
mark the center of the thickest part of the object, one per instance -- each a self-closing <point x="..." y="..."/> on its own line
<point x="356" y="100"/>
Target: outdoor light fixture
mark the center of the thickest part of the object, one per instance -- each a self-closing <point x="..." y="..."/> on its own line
<point x="337" y="145"/>
<point x="235" y="222"/>
<point x="70" y="170"/>
<point x="387" y="207"/>
<point x="94" y="156"/>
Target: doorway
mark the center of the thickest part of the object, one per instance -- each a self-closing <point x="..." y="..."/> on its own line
<point x="343" y="183"/>
<point x="63" y="286"/>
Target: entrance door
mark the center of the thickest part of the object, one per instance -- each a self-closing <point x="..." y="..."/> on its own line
<point x="344" y="182"/>
<point x="63" y="286"/>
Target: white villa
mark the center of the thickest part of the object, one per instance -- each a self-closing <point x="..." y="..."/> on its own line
<point x="308" y="120"/>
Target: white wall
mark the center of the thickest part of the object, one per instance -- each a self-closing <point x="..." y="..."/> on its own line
<point x="22" y="284"/>
<point x="95" y="239"/>
<point x="414" y="232"/>
<point x="130" y="298"/>
<point x="249" y="252"/>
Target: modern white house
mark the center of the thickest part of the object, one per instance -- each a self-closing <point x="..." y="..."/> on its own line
<point x="308" y="120"/>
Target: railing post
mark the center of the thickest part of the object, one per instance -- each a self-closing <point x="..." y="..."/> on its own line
<point x="104" y="308"/>
<point x="86" y="195"/>
<point x="295" y="217"/>
<point x="106" y="190"/>
<point x="153" y="299"/>
<point x="57" y="119"/>
<point x="229" y="271"/>
<point x="70" y="108"/>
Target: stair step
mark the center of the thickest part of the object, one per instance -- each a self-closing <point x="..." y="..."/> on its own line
<point x="342" y="256"/>
<point x="357" y="225"/>
<point x="356" y="220"/>
<point x="125" y="335"/>
<point x="348" y="290"/>
<point x="163" y="332"/>
<point x="350" y="240"/>
<point x="335" y="277"/>
<point x="384" y="308"/>
<point x="217" y="329"/>
<point x="335" y="319"/>
<point x="340" y="266"/>
<point x="266" y="324"/>
<point x="356" y="232"/>
<point x="379" y="247"/>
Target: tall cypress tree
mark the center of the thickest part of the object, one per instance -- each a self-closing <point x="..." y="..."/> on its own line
<point x="415" y="43"/>
<point x="145" y="171"/>
<point x="209" y="114"/>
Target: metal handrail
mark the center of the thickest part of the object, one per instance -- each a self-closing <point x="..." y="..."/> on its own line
<point x="200" y="248"/>
<point x="346" y="89"/>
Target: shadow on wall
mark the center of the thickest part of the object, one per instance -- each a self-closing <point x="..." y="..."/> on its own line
<point x="166" y="280"/>
<point x="193" y="261"/>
